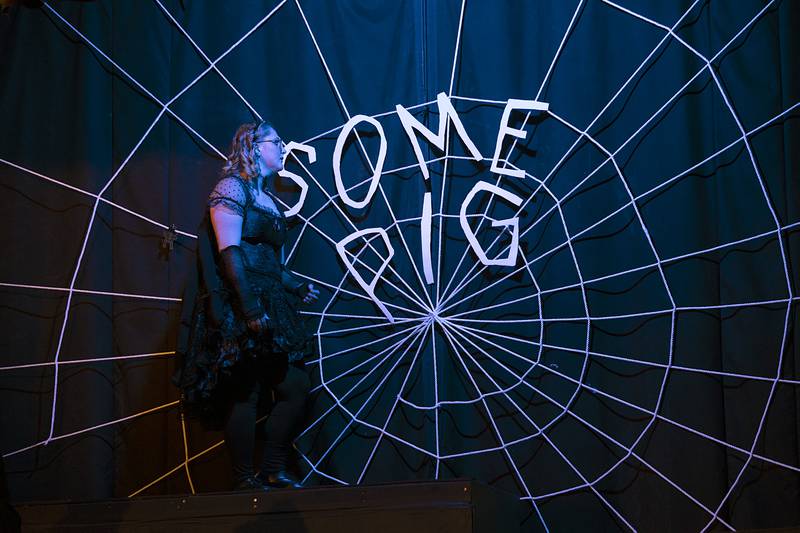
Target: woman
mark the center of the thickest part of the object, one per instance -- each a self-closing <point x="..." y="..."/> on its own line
<point x="246" y="341"/>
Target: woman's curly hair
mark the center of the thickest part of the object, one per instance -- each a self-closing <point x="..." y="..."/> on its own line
<point x="243" y="159"/>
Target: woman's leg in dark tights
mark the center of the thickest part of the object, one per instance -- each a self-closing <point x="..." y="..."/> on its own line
<point x="240" y="433"/>
<point x="284" y="421"/>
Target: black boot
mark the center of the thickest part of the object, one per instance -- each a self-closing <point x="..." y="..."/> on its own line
<point x="251" y="484"/>
<point x="280" y="480"/>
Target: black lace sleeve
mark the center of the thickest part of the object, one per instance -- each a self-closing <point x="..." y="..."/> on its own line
<point x="230" y="195"/>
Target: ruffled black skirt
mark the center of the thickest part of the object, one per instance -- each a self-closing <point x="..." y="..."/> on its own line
<point x="221" y="349"/>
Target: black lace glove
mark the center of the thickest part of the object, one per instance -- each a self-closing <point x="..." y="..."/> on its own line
<point x="292" y="284"/>
<point x="232" y="259"/>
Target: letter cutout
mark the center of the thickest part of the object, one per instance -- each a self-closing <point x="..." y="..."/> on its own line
<point x="425" y="235"/>
<point x="446" y="111"/>
<point x="369" y="288"/>
<point x="337" y="160"/>
<point x="504" y="129"/>
<point x="412" y="125"/>
<point x="312" y="157"/>
<point x="511" y="259"/>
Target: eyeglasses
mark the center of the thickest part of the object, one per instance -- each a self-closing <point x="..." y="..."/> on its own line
<point x="276" y="142"/>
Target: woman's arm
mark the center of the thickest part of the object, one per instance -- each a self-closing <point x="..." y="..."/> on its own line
<point x="227" y="227"/>
<point x="228" y="232"/>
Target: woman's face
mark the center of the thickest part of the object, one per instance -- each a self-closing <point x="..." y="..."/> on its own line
<point x="271" y="150"/>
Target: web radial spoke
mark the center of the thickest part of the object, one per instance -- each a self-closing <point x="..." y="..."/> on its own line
<point x="92" y="428"/>
<point x="367" y="242"/>
<point x="565" y="408"/>
<point x="476" y="270"/>
<point x="419" y="333"/>
<point x="496" y="431"/>
<point x="389" y="351"/>
<point x="364" y="154"/>
<point x="649" y="120"/>
<point x="546" y="78"/>
<point x="540" y="431"/>
<point x="393" y="408"/>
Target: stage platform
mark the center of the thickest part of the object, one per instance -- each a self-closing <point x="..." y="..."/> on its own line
<point x="453" y="506"/>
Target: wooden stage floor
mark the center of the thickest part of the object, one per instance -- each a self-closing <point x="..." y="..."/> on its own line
<point x="454" y="506"/>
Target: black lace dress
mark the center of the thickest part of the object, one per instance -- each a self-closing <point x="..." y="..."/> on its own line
<point x="217" y="340"/>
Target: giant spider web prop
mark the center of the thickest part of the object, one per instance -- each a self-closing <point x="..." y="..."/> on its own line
<point x="491" y="287"/>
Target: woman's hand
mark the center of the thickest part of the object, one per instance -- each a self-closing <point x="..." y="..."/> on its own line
<point x="311" y="295"/>
<point x="257" y="325"/>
